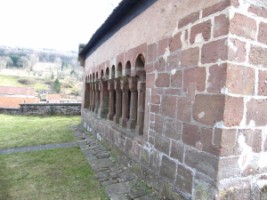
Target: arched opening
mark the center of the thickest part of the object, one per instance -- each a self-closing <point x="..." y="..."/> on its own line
<point x="107" y="74"/>
<point x="141" y="92"/>
<point x="119" y="70"/>
<point x="113" y="71"/>
<point x="128" y="69"/>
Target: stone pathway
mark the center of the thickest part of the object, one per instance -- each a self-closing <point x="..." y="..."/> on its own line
<point x="39" y="147"/>
<point x="119" y="182"/>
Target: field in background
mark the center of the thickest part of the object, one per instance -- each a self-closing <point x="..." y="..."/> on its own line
<point x="48" y="174"/>
<point x="18" y="131"/>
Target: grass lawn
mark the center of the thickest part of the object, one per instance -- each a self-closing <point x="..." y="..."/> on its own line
<point x="48" y="175"/>
<point x="37" y="84"/>
<point x="18" y="131"/>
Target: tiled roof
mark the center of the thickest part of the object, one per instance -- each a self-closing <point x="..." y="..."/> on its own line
<point x="11" y="90"/>
<point x="13" y="102"/>
<point x="53" y="97"/>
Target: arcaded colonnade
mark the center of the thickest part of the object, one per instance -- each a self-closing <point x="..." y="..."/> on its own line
<point x="118" y="94"/>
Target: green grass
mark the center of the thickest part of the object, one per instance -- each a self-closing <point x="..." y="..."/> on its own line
<point x="18" y="131"/>
<point x="37" y="84"/>
<point x="48" y="175"/>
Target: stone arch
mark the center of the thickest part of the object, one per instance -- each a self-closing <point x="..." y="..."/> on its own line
<point x="119" y="70"/>
<point x="107" y="73"/>
<point x="113" y="71"/>
<point x="140" y="67"/>
<point x="127" y="68"/>
<point x="102" y="74"/>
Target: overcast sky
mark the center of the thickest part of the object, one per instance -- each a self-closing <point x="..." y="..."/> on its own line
<point x="53" y="24"/>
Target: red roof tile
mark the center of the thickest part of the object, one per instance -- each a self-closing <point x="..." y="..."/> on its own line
<point x="13" y="102"/>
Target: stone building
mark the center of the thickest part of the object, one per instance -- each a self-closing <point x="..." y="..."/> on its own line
<point x="179" y="86"/>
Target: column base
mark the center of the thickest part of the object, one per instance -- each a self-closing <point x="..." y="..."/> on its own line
<point x="139" y="130"/>
<point x="131" y="124"/>
<point x="110" y="117"/>
<point x="123" y="122"/>
<point x="116" y="119"/>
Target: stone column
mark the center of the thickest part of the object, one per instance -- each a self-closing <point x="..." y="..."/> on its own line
<point x="111" y="100"/>
<point x="141" y="107"/>
<point x="96" y="101"/>
<point x="104" y="98"/>
<point x="133" y="106"/>
<point x="93" y="97"/>
<point x="87" y="96"/>
<point x="117" y="87"/>
<point x="125" y="98"/>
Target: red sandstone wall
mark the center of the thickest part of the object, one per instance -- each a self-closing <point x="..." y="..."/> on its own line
<point x="205" y="122"/>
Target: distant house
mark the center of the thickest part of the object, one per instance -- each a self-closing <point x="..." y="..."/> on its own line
<point x="14" y="102"/>
<point x="12" y="91"/>
<point x="11" y="97"/>
<point x="53" y="98"/>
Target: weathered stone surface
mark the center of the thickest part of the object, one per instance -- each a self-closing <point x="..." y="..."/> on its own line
<point x="221" y="26"/>
<point x="172" y="129"/>
<point x="169" y="106"/>
<point x="191" y="134"/>
<point x="208" y="109"/>
<point x="184" y="109"/>
<point x="168" y="168"/>
<point x="256" y="112"/>
<point x="177" y="151"/>
<point x="190" y="57"/>
<point x="233" y="112"/>
<point x="200" y="32"/>
<point x="176" y="79"/>
<point x="214" y="51"/>
<point x="162" y="144"/>
<point x="175" y="42"/>
<point x="184" y="179"/>
<point x="240" y="79"/>
<point x="257" y="56"/>
<point x="262" y="36"/>
<point x="262" y="84"/>
<point x="217" y="78"/>
<point x="163" y="80"/>
<point x="244" y="26"/>
<point x="195" y="76"/>
<point x="188" y="19"/>
<point x="216" y="8"/>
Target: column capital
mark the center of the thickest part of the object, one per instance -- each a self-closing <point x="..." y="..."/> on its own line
<point x="132" y="83"/>
<point x="110" y="85"/>
<point x="124" y="83"/>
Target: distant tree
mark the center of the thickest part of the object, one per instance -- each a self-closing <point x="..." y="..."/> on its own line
<point x="57" y="86"/>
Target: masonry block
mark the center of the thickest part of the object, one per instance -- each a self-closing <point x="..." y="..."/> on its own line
<point x="177" y="150"/>
<point x="256" y="112"/>
<point x="217" y="78"/>
<point x="191" y="134"/>
<point x="150" y="80"/>
<point x="162" y="144"/>
<point x="253" y="138"/>
<point x="243" y="26"/>
<point x="262" y="84"/>
<point x="193" y="17"/>
<point x="176" y="79"/>
<point x="172" y="129"/>
<point x="202" y="162"/>
<point x="160" y="64"/>
<point x="158" y="123"/>
<point x="168" y="168"/>
<point x="258" y="56"/>
<point x="151" y="52"/>
<point x="190" y="57"/>
<point x="184" y="109"/>
<point x="214" y="51"/>
<point x="233" y="112"/>
<point x="208" y="109"/>
<point x="175" y="42"/>
<point x="162" y="46"/>
<point x="261" y="11"/>
<point x="221" y="25"/>
<point x="169" y="106"/>
<point x="240" y="79"/>
<point x="200" y="32"/>
<point x="163" y="80"/>
<point x="262" y="36"/>
<point x="184" y="179"/>
<point x="216" y="8"/>
<point x="196" y="76"/>
<point x="173" y="61"/>
<point x="237" y="50"/>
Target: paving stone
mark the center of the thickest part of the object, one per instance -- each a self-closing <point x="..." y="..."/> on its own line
<point x="118" y="181"/>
